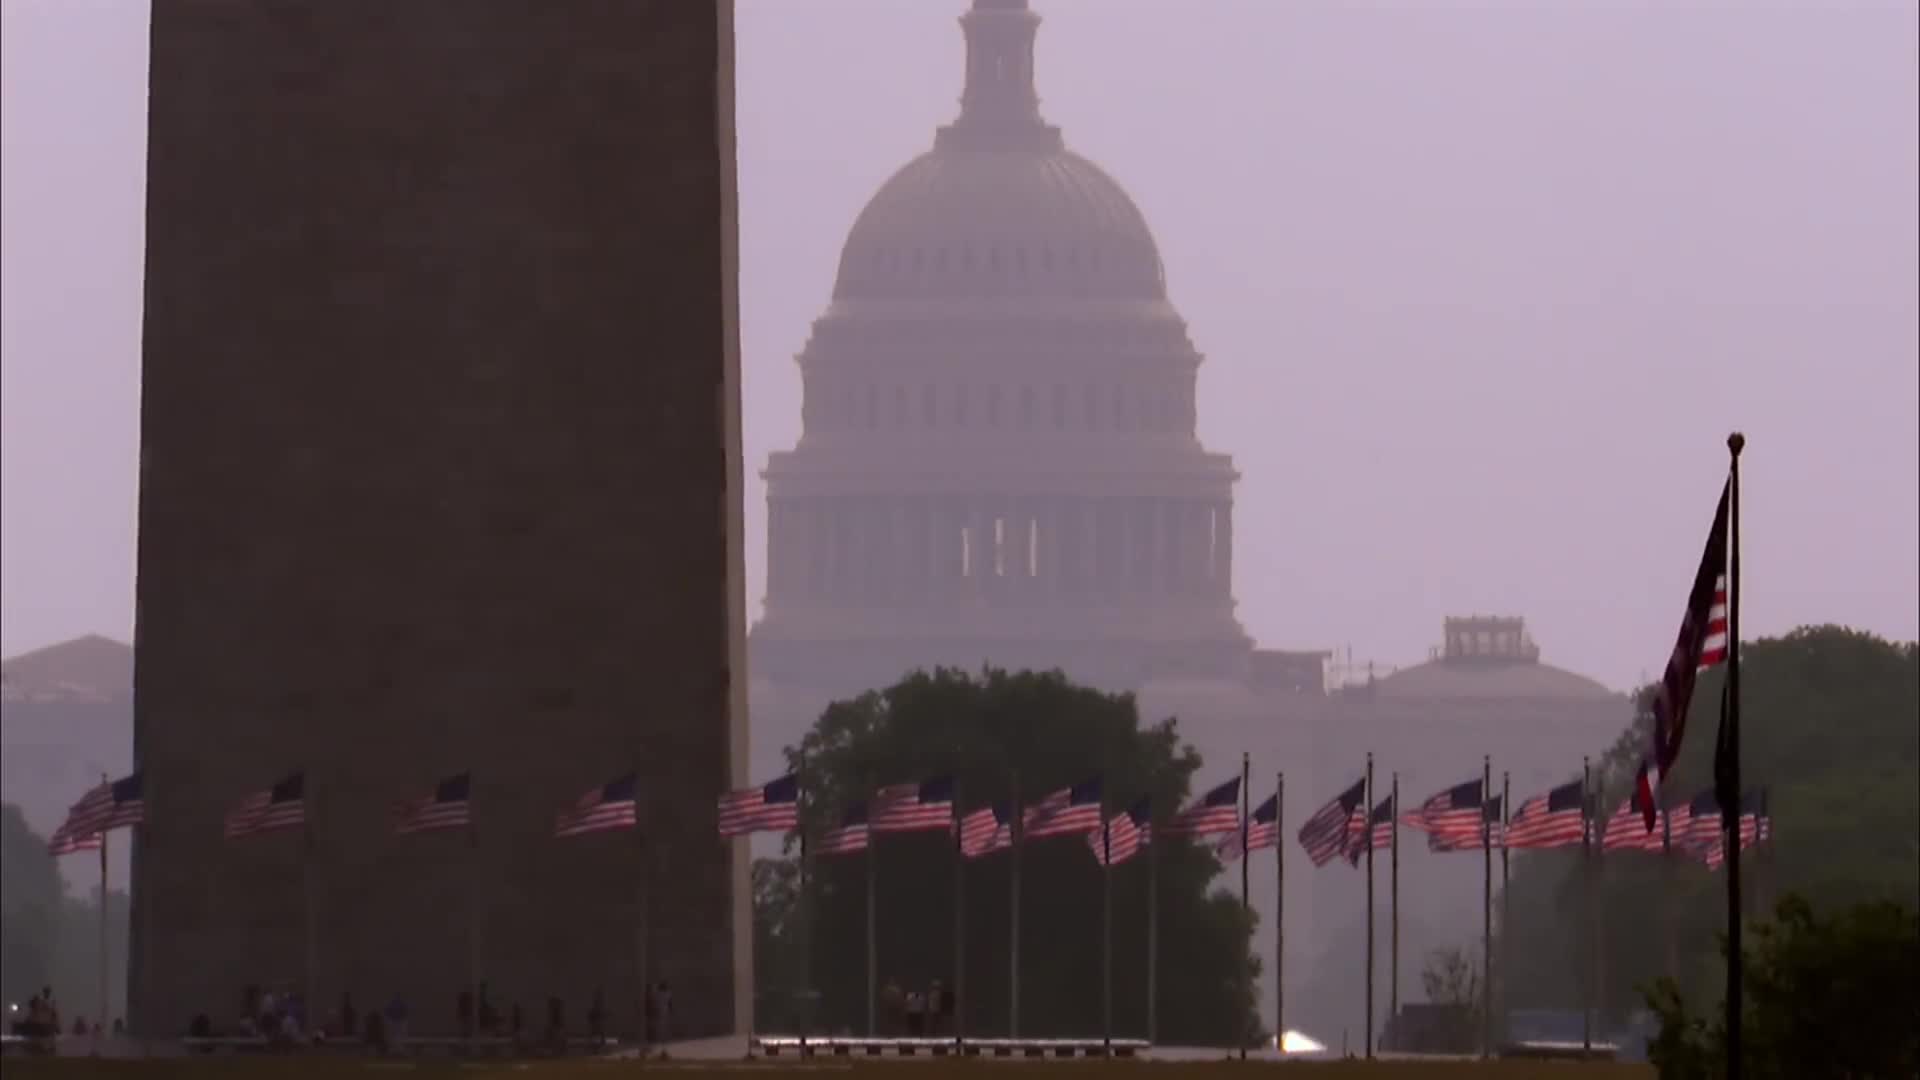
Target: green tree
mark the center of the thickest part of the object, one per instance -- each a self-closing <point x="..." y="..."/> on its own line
<point x="1828" y="727"/>
<point x="32" y="902"/>
<point x="986" y="730"/>
<point x="1825" y="997"/>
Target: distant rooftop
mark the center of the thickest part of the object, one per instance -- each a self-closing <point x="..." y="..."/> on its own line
<point x="87" y="670"/>
<point x="1480" y="656"/>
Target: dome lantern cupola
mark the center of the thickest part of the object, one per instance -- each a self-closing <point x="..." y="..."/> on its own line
<point x="1000" y="109"/>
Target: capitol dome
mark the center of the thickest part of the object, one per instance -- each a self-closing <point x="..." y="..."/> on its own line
<point x="999" y="206"/>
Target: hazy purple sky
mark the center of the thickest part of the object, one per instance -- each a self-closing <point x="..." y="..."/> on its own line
<point x="1481" y="287"/>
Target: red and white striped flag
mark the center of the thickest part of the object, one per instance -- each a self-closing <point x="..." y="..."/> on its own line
<point x="1218" y="811"/>
<point x="1125" y="834"/>
<point x="914" y="807"/>
<point x="1324" y="836"/>
<point x="283" y="806"/>
<point x="852" y="835"/>
<point x="1067" y="812"/>
<point x="610" y="806"/>
<point x="771" y="807"/>
<point x="1263" y="831"/>
<point x="1552" y="820"/>
<point x="986" y="830"/>
<point x="447" y="808"/>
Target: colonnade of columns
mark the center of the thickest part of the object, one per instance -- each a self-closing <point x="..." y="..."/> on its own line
<point x="1038" y="551"/>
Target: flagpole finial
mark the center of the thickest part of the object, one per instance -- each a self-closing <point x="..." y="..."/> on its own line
<point x="1736" y="442"/>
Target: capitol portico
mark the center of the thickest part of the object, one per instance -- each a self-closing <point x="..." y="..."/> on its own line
<point x="1000" y="463"/>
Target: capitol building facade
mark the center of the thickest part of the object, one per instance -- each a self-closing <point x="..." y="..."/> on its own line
<point x="1001" y="464"/>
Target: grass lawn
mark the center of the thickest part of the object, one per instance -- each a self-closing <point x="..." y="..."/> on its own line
<point x="272" y="1068"/>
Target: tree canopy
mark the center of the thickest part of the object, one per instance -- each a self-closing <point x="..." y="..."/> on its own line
<point x="48" y="938"/>
<point x="999" y="735"/>
<point x="1831" y="996"/>
<point x="1830" y="726"/>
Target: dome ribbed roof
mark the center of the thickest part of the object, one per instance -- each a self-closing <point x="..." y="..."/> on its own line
<point x="1000" y="207"/>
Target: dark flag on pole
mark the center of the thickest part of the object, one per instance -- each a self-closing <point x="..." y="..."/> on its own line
<point x="609" y="806"/>
<point x="1702" y="642"/>
<point x="283" y="806"/>
<point x="447" y="808"/>
<point x="1324" y="836"/>
<point x="850" y="836"/>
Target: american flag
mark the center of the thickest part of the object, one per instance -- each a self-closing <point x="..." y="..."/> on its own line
<point x="1381" y="821"/>
<point x="1263" y="831"/>
<point x="283" y="806"/>
<point x="986" y="830"/>
<point x="107" y="806"/>
<point x="63" y="842"/>
<point x="1695" y="648"/>
<point x="913" y="807"/>
<point x="1457" y="837"/>
<point x="773" y="807"/>
<point x="1324" y="836"/>
<point x="1125" y="834"/>
<point x="851" y="835"/>
<point x="447" y="808"/>
<point x="1626" y="830"/>
<point x="1703" y="822"/>
<point x="1550" y="821"/>
<point x="607" y="807"/>
<point x="1067" y="812"/>
<point x="1457" y="809"/>
<point x="1669" y="832"/>
<point x="1218" y="811"/>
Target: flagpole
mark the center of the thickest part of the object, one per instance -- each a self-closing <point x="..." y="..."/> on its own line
<point x="1106" y="927"/>
<point x="959" y="928"/>
<point x="640" y="951"/>
<point x="1246" y="905"/>
<point x="1506" y="900"/>
<point x="1016" y="827"/>
<point x="307" y="795"/>
<point x="1393" y="989"/>
<point x="473" y="913"/>
<point x="1730" y="826"/>
<point x="1588" y="825"/>
<point x="1366" y="834"/>
<point x="1153" y="935"/>
<point x="1279" y="906"/>
<point x="1486" y="912"/>
<point x="806" y="903"/>
<point x="873" y="846"/>
<point x="103" y="935"/>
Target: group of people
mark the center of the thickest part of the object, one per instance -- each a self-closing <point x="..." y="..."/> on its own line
<point x="915" y="1013"/>
<point x="40" y="1019"/>
<point x="281" y="1018"/>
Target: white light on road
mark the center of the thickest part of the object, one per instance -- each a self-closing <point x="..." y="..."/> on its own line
<point x="1292" y="1042"/>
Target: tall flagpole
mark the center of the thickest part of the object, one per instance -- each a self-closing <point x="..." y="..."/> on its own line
<point x="473" y="912"/>
<point x="1366" y="838"/>
<point x="1486" y="911"/>
<point x="1106" y="926"/>
<point x="1017" y="827"/>
<point x="873" y="846"/>
<point x="104" y="1009"/>
<point x="640" y="935"/>
<point x="1279" y="906"/>
<point x="1246" y="904"/>
<point x="1393" y="988"/>
<point x="1730" y="815"/>
<point x="1153" y="935"/>
<point x="310" y="812"/>
<point x="1506" y="889"/>
<point x="1590" y="822"/>
<point x="959" y="928"/>
<point x="806" y="904"/>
